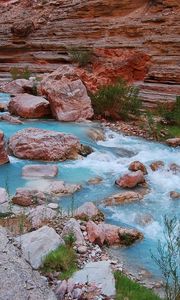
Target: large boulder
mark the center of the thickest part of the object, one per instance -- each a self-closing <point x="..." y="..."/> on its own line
<point x="37" y="244"/>
<point x="18" y="86"/>
<point x="26" y="197"/>
<point x="98" y="273"/>
<point x="131" y="180"/>
<point x="41" y="215"/>
<point x="111" y="235"/>
<point x="29" y="106"/>
<point x="120" y="198"/>
<point x="17" y="279"/>
<point x="68" y="97"/>
<point x="47" y="145"/>
<point x="40" y="171"/>
<point x="3" y="154"/>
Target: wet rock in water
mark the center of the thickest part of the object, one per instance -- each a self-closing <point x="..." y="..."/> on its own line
<point x="124" y="197"/>
<point x="175" y="195"/>
<point x="144" y="219"/>
<point x="17" y="279"/>
<point x="156" y="165"/>
<point x="29" y="106"/>
<point x="28" y="197"/>
<point x="175" y="168"/>
<point x="174" y="142"/>
<point x="73" y="227"/>
<point x="98" y="273"/>
<point x="111" y="235"/>
<point x="95" y="180"/>
<point x="85" y="150"/>
<point x="88" y="211"/>
<point x="37" y="244"/>
<point x="67" y="95"/>
<point x="41" y="215"/>
<point x="18" y="86"/>
<point x="3" y="107"/>
<point x="3" y="153"/>
<point x="96" y="134"/>
<point x="39" y="171"/>
<point x="137" y="165"/>
<point x="3" y="196"/>
<point x="123" y="152"/>
<point x="131" y="180"/>
<point x="47" y="145"/>
<point x="8" y="118"/>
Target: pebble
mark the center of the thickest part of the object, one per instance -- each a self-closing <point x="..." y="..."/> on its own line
<point x="53" y="205"/>
<point x="82" y="249"/>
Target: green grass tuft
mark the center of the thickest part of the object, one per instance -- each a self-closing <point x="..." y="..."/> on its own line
<point x="127" y="289"/>
<point x="62" y="260"/>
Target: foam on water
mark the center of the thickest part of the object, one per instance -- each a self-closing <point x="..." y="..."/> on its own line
<point x="110" y="160"/>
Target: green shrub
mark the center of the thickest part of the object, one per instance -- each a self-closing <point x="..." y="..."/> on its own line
<point x="62" y="260"/>
<point x="18" y="73"/>
<point x="130" y="290"/>
<point x="82" y="57"/>
<point x="172" y="117"/>
<point x="116" y="101"/>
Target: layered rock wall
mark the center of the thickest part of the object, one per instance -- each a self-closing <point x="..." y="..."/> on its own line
<point x="39" y="33"/>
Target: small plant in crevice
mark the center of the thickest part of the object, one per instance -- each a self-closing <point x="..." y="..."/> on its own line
<point x="152" y="126"/>
<point x="170" y="116"/>
<point x="117" y="101"/>
<point x="69" y="240"/>
<point x="20" y="73"/>
<point x="168" y="258"/>
<point x="81" y="57"/>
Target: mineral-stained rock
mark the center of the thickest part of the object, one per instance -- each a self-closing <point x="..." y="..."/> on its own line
<point x="137" y="165"/>
<point x="37" y="244"/>
<point x="3" y="154"/>
<point x="29" y="106"/>
<point x="131" y="180"/>
<point x="68" y="97"/>
<point x="156" y="165"/>
<point x="175" y="142"/>
<point x="124" y="197"/>
<point x="88" y="211"/>
<point x="73" y="227"/>
<point x="175" y="195"/>
<point x="17" y="279"/>
<point x="39" y="144"/>
<point x="39" y="171"/>
<point x="110" y="234"/>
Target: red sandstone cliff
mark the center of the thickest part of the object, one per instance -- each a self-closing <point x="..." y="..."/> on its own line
<point x="142" y="37"/>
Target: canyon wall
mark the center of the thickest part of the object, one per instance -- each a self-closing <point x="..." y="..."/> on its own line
<point x="141" y="37"/>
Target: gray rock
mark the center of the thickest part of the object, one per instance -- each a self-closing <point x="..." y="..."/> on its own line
<point x="61" y="290"/>
<point x="3" y="196"/>
<point x="17" y="279"/>
<point x="40" y="214"/>
<point x="99" y="273"/>
<point x="72" y="226"/>
<point x="37" y="244"/>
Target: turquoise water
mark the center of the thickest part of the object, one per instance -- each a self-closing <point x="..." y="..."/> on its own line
<point x="110" y="160"/>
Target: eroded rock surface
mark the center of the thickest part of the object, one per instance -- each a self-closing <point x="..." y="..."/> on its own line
<point x="39" y="144"/>
<point x="3" y="153"/>
<point x="17" y="279"/>
<point x="131" y="180"/>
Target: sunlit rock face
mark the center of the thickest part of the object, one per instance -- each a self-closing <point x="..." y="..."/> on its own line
<point x="47" y="145"/>
<point x="141" y="37"/>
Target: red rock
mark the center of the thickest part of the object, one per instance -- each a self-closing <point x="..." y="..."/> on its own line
<point x="125" y="197"/>
<point x="18" y="86"/>
<point x="40" y="171"/>
<point x="22" y="28"/>
<point x="8" y="118"/>
<point x="26" y="197"/>
<point x="131" y="180"/>
<point x="111" y="235"/>
<point x="174" y="195"/>
<point x="67" y="96"/>
<point x="47" y="145"/>
<point x="156" y="165"/>
<point x="137" y="165"/>
<point x="175" y="142"/>
<point x="29" y="106"/>
<point x="3" y="154"/>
